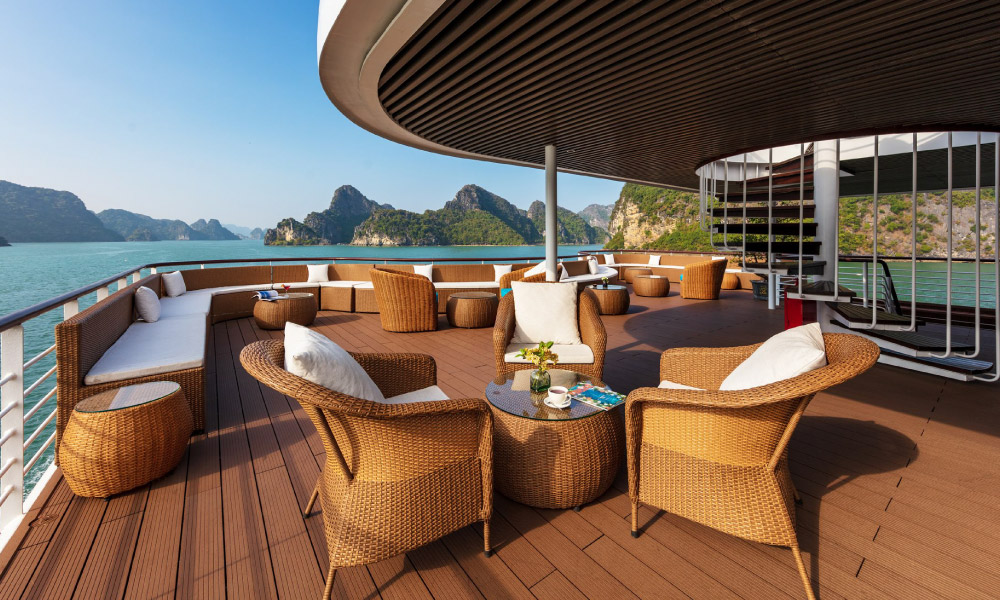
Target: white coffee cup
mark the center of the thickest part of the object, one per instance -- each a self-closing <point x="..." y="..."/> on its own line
<point x="558" y="397"/>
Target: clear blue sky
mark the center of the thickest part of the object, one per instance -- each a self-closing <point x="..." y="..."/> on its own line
<point x="187" y="109"/>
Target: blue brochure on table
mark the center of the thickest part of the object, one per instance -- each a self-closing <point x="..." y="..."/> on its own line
<point x="598" y="397"/>
<point x="267" y="295"/>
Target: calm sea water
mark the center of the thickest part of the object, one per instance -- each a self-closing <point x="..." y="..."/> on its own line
<point x="33" y="273"/>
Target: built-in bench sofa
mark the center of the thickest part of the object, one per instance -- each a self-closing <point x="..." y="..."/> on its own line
<point x="668" y="265"/>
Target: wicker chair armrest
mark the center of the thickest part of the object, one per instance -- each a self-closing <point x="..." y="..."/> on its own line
<point x="517" y="275"/>
<point x="396" y="374"/>
<point x="592" y="332"/>
<point x="704" y="368"/>
<point x="503" y="329"/>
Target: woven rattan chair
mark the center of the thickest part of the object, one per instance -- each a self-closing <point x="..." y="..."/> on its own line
<point x="592" y="334"/>
<point x="397" y="476"/>
<point x="406" y="301"/>
<point x="518" y="275"/>
<point x="720" y="458"/>
<point x="703" y="280"/>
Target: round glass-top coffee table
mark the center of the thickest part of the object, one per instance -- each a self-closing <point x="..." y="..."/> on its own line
<point x="295" y="307"/>
<point x="549" y="457"/>
<point x="611" y="299"/>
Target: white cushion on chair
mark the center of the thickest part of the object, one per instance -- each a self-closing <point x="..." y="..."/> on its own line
<point x="318" y="273"/>
<point x="427" y="394"/>
<point x="147" y="304"/>
<point x="570" y="354"/>
<point x="174" y="283"/>
<point x="316" y="358"/>
<point x="425" y="270"/>
<point x="785" y="355"/>
<point x="670" y="385"/>
<point x="168" y="345"/>
<point x="545" y="313"/>
<point x="500" y="270"/>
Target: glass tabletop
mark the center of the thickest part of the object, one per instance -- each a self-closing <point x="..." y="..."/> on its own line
<point x="512" y="395"/>
<point x="294" y="295"/>
<point x="598" y="286"/>
<point x="128" y="396"/>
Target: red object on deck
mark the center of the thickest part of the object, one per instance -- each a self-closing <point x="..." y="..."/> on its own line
<point x="799" y="312"/>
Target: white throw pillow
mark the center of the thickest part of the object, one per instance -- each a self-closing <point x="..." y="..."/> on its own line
<point x="785" y="355"/>
<point x="654" y="259"/>
<point x="540" y="269"/>
<point x="609" y="259"/>
<point x="563" y="273"/>
<point x="425" y="270"/>
<point x="147" y="304"/>
<point x="174" y="283"/>
<point x="545" y="313"/>
<point x="316" y="358"/>
<point x="500" y="270"/>
<point x="670" y="385"/>
<point x="318" y="273"/>
<point x="592" y="265"/>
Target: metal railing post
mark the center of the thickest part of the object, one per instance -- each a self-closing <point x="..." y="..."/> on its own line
<point x="11" y="426"/>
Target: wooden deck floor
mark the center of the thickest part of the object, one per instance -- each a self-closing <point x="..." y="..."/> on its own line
<point x="900" y="475"/>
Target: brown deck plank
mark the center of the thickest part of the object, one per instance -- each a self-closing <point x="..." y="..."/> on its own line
<point x="107" y="568"/>
<point x="493" y="578"/>
<point x="398" y="580"/>
<point x="556" y="587"/>
<point x="60" y="567"/>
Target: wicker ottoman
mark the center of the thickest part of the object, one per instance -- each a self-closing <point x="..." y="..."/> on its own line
<point x="290" y="308"/>
<point x="472" y="309"/>
<point x="611" y="299"/>
<point x="730" y="281"/>
<point x="632" y="272"/>
<point x="121" y="439"/>
<point x="651" y="285"/>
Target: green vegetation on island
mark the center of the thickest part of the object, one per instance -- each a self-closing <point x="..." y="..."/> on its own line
<point x="32" y="214"/>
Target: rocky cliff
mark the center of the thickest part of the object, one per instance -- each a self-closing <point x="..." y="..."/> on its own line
<point x="573" y="229"/>
<point x="334" y="225"/>
<point x="213" y="229"/>
<point x="597" y="215"/>
<point x="657" y="218"/>
<point x="33" y="214"/>
<point x="3" y="242"/>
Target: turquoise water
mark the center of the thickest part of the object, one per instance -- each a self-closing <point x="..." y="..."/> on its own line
<point x="33" y="273"/>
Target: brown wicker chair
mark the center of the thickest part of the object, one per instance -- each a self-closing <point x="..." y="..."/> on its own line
<point x="518" y="275"/>
<point x="703" y="280"/>
<point x="592" y="333"/>
<point x="397" y="476"/>
<point x="406" y="301"/>
<point x="720" y="458"/>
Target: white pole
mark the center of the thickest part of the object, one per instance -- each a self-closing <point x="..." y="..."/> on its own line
<point x="825" y="176"/>
<point x="551" y="216"/>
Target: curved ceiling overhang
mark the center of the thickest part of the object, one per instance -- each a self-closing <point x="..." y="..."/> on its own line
<point x="649" y="91"/>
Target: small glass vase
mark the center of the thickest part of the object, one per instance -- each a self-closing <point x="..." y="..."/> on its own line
<point x="540" y="381"/>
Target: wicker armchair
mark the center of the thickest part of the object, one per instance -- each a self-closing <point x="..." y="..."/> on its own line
<point x="406" y="301"/>
<point x="592" y="334"/>
<point x="703" y="280"/>
<point x="720" y="458"/>
<point x="518" y="275"/>
<point x="397" y="476"/>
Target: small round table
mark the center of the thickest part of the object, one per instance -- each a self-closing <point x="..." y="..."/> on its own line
<point x="611" y="299"/>
<point x="472" y="309"/>
<point x="123" y="438"/>
<point x="632" y="272"/>
<point x="298" y="308"/>
<point x="651" y="285"/>
<point x="548" y="457"/>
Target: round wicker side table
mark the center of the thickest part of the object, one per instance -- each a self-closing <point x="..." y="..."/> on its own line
<point x="472" y="309"/>
<point x="123" y="438"/>
<point x="632" y="272"/>
<point x="730" y="281"/>
<point x="290" y="308"/>
<point x="548" y="457"/>
<point x="611" y="299"/>
<point x="651" y="285"/>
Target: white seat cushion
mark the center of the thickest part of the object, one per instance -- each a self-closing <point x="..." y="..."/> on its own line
<point x="785" y="355"/>
<point x="295" y="285"/>
<point x="364" y="285"/>
<point x="253" y="287"/>
<point x="147" y="304"/>
<point x="145" y="349"/>
<point x="577" y="354"/>
<point x="501" y="270"/>
<point x="174" y="283"/>
<point x="340" y="283"/>
<point x="316" y="358"/>
<point x="318" y="273"/>
<point x="427" y="394"/>
<point x="188" y="304"/>
<point x="545" y="313"/>
<point x="466" y="285"/>
<point x="670" y="385"/>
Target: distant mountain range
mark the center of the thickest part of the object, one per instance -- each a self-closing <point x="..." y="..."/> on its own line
<point x="245" y="233"/>
<point x="474" y="216"/>
<point x="135" y="227"/>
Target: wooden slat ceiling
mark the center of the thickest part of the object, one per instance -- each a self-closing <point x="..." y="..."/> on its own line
<point x="648" y="91"/>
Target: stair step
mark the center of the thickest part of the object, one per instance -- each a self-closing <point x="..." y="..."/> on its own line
<point x="855" y="316"/>
<point x="963" y="369"/>
<point x="793" y="164"/>
<point x="777" y="212"/>
<point x="822" y="291"/>
<point x="787" y="267"/>
<point x="808" y="229"/>
<point x="908" y="343"/>
<point x="809" y="248"/>
<point x="781" y="179"/>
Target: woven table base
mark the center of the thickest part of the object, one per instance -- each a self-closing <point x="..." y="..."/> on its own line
<point x="645" y="285"/>
<point x="300" y="310"/>
<point x="472" y="309"/>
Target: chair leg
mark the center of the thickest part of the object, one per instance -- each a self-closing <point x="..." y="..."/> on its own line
<point x="802" y="573"/>
<point x="328" y="592"/>
<point x="635" y="519"/>
<point x="312" y="500"/>
<point x="487" y="550"/>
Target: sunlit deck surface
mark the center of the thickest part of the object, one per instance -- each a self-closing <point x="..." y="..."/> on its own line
<point x="899" y="473"/>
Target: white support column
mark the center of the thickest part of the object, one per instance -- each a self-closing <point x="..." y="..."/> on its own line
<point x="12" y="427"/>
<point x="825" y="192"/>
<point x="551" y="216"/>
